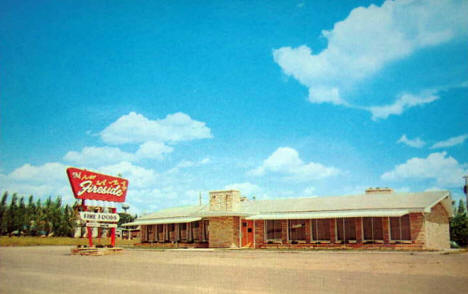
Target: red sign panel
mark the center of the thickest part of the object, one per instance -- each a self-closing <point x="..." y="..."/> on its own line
<point x="90" y="185"/>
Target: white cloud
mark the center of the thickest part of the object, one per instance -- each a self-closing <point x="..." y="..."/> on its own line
<point x="286" y="161"/>
<point x="138" y="177"/>
<point x="245" y="188"/>
<point x="152" y="150"/>
<point x="309" y="191"/>
<point x="135" y="128"/>
<point x="416" y="142"/>
<point x="188" y="163"/>
<point x="369" y="39"/>
<point x="404" y="102"/>
<point x="96" y="156"/>
<point x="445" y="170"/>
<point x="450" y="142"/>
<point x="49" y="179"/>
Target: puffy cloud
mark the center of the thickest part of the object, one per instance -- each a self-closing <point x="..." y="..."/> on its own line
<point x="153" y="150"/>
<point x="445" y="170"/>
<point x="309" y="191"/>
<point x="49" y="179"/>
<point x="245" y="188"/>
<point x="135" y="128"/>
<point x="450" y="142"/>
<point x="404" y="102"/>
<point x="96" y="156"/>
<point x="416" y="142"/>
<point x="138" y="177"/>
<point x="188" y="163"/>
<point x="369" y="39"/>
<point x="286" y="161"/>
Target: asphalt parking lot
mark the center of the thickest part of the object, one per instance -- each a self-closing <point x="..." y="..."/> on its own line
<point x="54" y="270"/>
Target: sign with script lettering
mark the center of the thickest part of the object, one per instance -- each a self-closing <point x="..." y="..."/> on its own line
<point x="86" y="184"/>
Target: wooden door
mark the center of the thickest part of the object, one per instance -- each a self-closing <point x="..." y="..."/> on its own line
<point x="247" y="233"/>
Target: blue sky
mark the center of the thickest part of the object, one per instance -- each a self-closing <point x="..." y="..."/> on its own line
<point x="277" y="99"/>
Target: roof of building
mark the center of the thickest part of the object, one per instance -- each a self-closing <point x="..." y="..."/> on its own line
<point x="369" y="204"/>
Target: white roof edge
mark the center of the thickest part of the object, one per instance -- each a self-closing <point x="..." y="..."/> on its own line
<point x="157" y="221"/>
<point x="334" y="214"/>
<point x="449" y="211"/>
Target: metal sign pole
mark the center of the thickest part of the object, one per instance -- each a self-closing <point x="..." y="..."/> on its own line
<point x="114" y="210"/>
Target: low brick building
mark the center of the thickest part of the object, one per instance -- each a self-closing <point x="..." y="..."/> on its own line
<point x="378" y="218"/>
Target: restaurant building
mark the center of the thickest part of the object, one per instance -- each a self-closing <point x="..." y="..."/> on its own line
<point x="378" y="218"/>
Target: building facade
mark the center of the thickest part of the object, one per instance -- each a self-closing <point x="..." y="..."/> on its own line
<point x="379" y="218"/>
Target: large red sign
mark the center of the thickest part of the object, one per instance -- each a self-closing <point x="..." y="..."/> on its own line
<point x="90" y="185"/>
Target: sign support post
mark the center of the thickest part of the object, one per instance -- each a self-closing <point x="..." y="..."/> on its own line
<point x="94" y="186"/>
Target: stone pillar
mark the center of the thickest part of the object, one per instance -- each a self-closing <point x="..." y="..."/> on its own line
<point x="386" y="229"/>
<point x="358" y="223"/>
<point x="332" y="230"/>
<point x="284" y="231"/>
<point x="259" y="233"/>
<point x="308" y="231"/>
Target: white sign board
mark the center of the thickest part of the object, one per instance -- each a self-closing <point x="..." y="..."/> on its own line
<point x="99" y="217"/>
<point x="101" y="225"/>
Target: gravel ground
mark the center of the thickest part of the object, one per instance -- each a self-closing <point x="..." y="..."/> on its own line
<point x="54" y="270"/>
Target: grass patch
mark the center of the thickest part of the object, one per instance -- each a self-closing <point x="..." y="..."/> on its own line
<point x="60" y="241"/>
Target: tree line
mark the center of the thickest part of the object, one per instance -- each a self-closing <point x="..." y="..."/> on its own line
<point x="34" y="217"/>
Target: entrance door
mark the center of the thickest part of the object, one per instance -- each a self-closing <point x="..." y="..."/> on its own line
<point x="247" y="233"/>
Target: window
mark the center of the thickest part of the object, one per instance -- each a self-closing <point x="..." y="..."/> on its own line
<point x="320" y="229"/>
<point x="400" y="228"/>
<point x="372" y="228"/>
<point x="171" y="228"/>
<point x="273" y="229"/>
<point x="297" y="230"/>
<point x="345" y="229"/>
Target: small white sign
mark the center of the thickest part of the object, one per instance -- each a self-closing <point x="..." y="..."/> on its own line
<point x="101" y="225"/>
<point x="99" y="217"/>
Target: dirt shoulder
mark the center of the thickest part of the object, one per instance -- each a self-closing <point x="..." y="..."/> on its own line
<point x="52" y="269"/>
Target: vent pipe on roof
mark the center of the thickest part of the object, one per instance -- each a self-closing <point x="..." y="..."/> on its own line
<point x="378" y="190"/>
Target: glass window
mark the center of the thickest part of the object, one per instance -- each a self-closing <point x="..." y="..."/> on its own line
<point x="345" y="229"/>
<point x="400" y="228"/>
<point x="273" y="229"/>
<point x="320" y="229"/>
<point x="297" y="230"/>
<point x="373" y="228"/>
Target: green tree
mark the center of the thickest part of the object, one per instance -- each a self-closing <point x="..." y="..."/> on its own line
<point x="3" y="210"/>
<point x="125" y="218"/>
<point x="30" y="213"/>
<point x="12" y="211"/>
<point x="21" y="216"/>
<point x="459" y="225"/>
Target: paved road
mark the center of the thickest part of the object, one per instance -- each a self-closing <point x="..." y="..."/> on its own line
<point x="54" y="270"/>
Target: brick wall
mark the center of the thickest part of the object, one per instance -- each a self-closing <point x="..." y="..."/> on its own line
<point x="259" y="233"/>
<point x="418" y="234"/>
<point x="224" y="232"/>
<point x="437" y="228"/>
<point x="224" y="200"/>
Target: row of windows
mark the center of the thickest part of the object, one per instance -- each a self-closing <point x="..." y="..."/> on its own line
<point x="345" y="229"/>
<point x="177" y="232"/>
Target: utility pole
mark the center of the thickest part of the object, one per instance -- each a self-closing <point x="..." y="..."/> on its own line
<point x="465" y="189"/>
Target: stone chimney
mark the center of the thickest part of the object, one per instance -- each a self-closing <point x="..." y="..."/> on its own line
<point x="224" y="200"/>
<point x="378" y="190"/>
